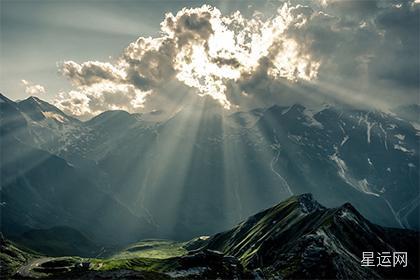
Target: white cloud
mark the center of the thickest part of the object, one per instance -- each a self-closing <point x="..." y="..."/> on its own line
<point x="201" y="49"/>
<point x="33" y="89"/>
<point x="99" y="97"/>
<point x="222" y="56"/>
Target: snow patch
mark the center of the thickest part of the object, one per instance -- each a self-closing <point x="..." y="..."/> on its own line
<point x="361" y="185"/>
<point x="403" y="149"/>
<point x="399" y="137"/>
<point x="342" y="167"/>
<point x="344" y="140"/>
<point x="348" y="216"/>
<point x="369" y="126"/>
<point x="364" y="186"/>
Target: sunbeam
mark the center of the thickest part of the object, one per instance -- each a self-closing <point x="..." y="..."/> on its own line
<point x="209" y="139"/>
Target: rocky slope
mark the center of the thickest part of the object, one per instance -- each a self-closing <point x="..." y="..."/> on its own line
<point x="40" y="190"/>
<point x="296" y="239"/>
<point x="244" y="161"/>
<point x="300" y="239"/>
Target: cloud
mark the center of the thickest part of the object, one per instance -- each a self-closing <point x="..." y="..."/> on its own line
<point x="33" y="89"/>
<point x="370" y="48"/>
<point x="236" y="60"/>
<point x="89" y="73"/>
<point x="99" y="97"/>
<point x="400" y="45"/>
<point x="201" y="49"/>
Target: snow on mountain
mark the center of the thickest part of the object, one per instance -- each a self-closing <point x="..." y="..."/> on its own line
<point x="248" y="158"/>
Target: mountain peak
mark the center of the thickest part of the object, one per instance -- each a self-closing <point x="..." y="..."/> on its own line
<point x="110" y="114"/>
<point x="347" y="210"/>
<point x="34" y="98"/>
<point x="281" y="236"/>
<point x="38" y="110"/>
<point x="114" y="118"/>
<point x="308" y="204"/>
<point x="35" y="101"/>
<point x="4" y="98"/>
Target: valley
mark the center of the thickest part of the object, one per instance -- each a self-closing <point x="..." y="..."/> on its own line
<point x="120" y="167"/>
<point x="297" y="238"/>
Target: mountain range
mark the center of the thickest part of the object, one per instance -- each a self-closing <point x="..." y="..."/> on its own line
<point x="90" y="188"/>
<point x="119" y="177"/>
<point x="296" y="239"/>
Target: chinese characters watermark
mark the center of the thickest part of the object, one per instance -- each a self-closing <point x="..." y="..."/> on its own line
<point x="384" y="259"/>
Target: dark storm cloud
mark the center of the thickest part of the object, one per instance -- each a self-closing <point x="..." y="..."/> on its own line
<point x="400" y="49"/>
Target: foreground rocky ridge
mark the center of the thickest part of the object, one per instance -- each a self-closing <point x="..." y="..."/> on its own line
<point x="296" y="239"/>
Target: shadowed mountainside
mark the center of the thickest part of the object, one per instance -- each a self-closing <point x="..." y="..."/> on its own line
<point x="296" y="239"/>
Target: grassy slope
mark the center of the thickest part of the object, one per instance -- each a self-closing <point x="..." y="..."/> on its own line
<point x="12" y="257"/>
<point x="156" y="249"/>
<point x="282" y="240"/>
<point x="148" y="255"/>
<point x="145" y="258"/>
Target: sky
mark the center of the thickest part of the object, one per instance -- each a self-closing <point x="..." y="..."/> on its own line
<point x="36" y="35"/>
<point x="90" y="56"/>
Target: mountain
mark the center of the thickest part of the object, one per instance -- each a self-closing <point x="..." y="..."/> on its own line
<point x="12" y="122"/>
<point x="58" y="241"/>
<point x="37" y="110"/>
<point x="211" y="169"/>
<point x="301" y="239"/>
<point x="12" y="257"/>
<point x="253" y="159"/>
<point x="296" y="239"/>
<point x="367" y="157"/>
<point x="41" y="191"/>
